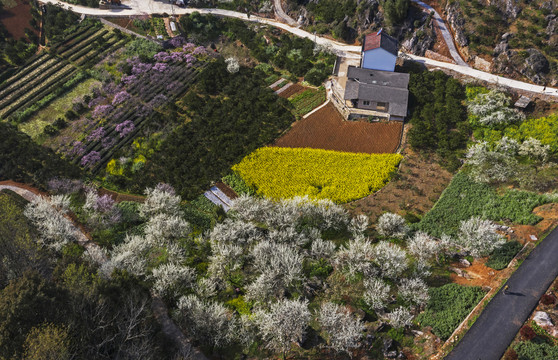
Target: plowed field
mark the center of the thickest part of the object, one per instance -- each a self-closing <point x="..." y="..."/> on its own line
<point x="326" y="129"/>
<point x="291" y="90"/>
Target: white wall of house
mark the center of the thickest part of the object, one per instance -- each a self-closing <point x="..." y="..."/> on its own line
<point x="378" y="59"/>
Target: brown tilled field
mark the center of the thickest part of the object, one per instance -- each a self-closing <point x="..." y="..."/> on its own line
<point x="291" y="90"/>
<point x="16" y="18"/>
<point x="326" y="129"/>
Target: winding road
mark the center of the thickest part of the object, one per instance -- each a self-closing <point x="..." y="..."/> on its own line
<point x="187" y="351"/>
<point x="494" y="330"/>
<point x="149" y="7"/>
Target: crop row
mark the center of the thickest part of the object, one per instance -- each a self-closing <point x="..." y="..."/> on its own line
<point x="90" y="31"/>
<point x="94" y="57"/>
<point x="82" y="45"/>
<point x="27" y="74"/>
<point x="13" y="74"/>
<point x="31" y="84"/>
<point x="42" y="90"/>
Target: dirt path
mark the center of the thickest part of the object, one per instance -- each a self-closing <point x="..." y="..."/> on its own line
<point x="158" y="306"/>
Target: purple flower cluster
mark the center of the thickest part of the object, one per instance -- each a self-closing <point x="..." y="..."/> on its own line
<point x="177" y="41"/>
<point x="90" y="159"/>
<point x="120" y="97"/>
<point x="158" y="100"/>
<point x="165" y="188"/>
<point x="101" y="111"/>
<point x="77" y="149"/>
<point x="96" y="134"/>
<point x="189" y="47"/>
<point x="160" y="67"/>
<point x="64" y="186"/>
<point x="200" y="50"/>
<point x="128" y="79"/>
<point x="124" y="128"/>
<point x="141" y="68"/>
<point x="104" y="204"/>
<point x="95" y="101"/>
<point x="108" y="142"/>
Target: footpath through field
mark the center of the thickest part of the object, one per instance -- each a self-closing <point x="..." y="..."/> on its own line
<point x="149" y="7"/>
<point x="158" y="306"/>
<point x="496" y="327"/>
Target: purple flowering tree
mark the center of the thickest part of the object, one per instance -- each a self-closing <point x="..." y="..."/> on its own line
<point x="160" y="67"/>
<point x="124" y="128"/>
<point x="91" y="159"/>
<point x="120" y="97"/>
<point x="96" y="134"/>
<point x="101" y="111"/>
<point x="64" y="186"/>
<point x="177" y="41"/>
<point x="78" y="148"/>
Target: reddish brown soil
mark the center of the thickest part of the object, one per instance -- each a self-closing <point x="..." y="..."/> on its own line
<point x="227" y="190"/>
<point x="17" y="19"/>
<point x="417" y="186"/>
<point x="119" y="21"/>
<point x="293" y="89"/>
<point x="480" y="274"/>
<point x="326" y="129"/>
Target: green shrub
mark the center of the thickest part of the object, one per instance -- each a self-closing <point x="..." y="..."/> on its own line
<point x="50" y="130"/>
<point x="238" y="185"/>
<point x="527" y="350"/>
<point x="240" y="305"/>
<point x="448" y="306"/>
<point x="464" y="198"/>
<point x="60" y="123"/>
<point x="502" y="256"/>
<point x="320" y="268"/>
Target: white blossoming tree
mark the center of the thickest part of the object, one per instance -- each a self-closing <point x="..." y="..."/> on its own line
<point x="54" y="229"/>
<point x="376" y="293"/>
<point x="284" y="324"/>
<point x="392" y="225"/>
<point x="342" y="330"/>
<point x="210" y="322"/>
<point x="479" y="236"/>
<point x="492" y="108"/>
<point x="391" y="259"/>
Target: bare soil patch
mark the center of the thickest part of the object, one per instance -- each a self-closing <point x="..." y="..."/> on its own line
<point x="417" y="186"/>
<point x="326" y="129"/>
<point x="227" y="190"/>
<point x="17" y="18"/>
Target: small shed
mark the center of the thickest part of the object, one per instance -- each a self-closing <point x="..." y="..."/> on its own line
<point x="522" y="102"/>
<point x="172" y="26"/>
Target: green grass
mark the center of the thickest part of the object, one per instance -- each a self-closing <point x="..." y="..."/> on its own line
<point x="34" y="128"/>
<point x="307" y="100"/>
<point x="502" y="256"/>
<point x="464" y="198"/>
<point x="448" y="306"/>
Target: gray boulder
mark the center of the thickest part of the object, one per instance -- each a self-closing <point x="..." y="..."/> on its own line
<point x="542" y="319"/>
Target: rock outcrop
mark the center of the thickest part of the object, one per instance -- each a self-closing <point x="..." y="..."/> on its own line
<point x="456" y="21"/>
<point x="422" y="40"/>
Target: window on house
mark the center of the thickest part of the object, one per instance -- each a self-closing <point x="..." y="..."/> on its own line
<point x="366" y="103"/>
<point x="381" y="106"/>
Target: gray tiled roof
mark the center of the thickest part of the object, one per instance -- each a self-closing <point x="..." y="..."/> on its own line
<point x="378" y="77"/>
<point x="382" y="86"/>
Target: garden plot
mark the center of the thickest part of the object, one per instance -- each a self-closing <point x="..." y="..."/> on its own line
<point x="48" y="76"/>
<point x="326" y="129"/>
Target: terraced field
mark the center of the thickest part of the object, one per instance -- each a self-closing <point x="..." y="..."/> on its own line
<point x="51" y="74"/>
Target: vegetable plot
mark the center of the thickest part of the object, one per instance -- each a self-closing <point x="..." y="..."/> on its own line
<point x="321" y="174"/>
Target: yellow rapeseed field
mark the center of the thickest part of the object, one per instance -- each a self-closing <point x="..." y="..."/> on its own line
<point x="280" y="173"/>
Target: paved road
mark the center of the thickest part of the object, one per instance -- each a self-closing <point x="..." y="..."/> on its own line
<point x="139" y="7"/>
<point x="282" y="14"/>
<point x="500" y="321"/>
<point x="158" y="306"/>
<point x="448" y="38"/>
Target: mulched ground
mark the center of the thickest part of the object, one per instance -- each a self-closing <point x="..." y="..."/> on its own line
<point x="293" y="89"/>
<point x="16" y="19"/>
<point x="326" y="129"/>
